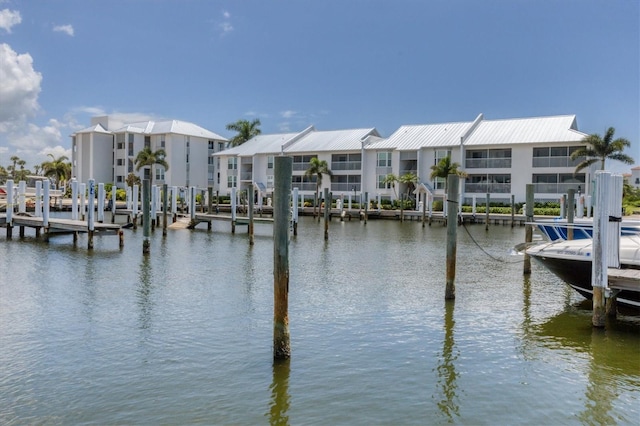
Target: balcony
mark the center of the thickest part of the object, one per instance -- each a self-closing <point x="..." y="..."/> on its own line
<point x="488" y="163"/>
<point x="483" y="188"/>
<point x="345" y="187"/>
<point x="556" y="188"/>
<point x="556" y="161"/>
<point x="346" y="165"/>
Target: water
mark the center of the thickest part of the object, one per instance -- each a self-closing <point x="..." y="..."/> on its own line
<point x="185" y="335"/>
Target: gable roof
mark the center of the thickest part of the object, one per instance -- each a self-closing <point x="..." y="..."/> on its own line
<point x="261" y="144"/>
<point x="170" y="126"/>
<point x="94" y="129"/>
<point x="332" y="140"/>
<point x="561" y="128"/>
<point x="414" y="137"/>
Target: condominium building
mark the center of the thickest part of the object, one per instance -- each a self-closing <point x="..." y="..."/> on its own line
<point x="106" y="152"/>
<point x="499" y="157"/>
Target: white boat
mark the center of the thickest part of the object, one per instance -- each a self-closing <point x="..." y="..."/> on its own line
<point x="571" y="260"/>
<point x="557" y="228"/>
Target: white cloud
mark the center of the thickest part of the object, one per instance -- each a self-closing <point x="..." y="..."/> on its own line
<point x="288" y="114"/>
<point x="9" y="18"/>
<point x="68" y="29"/>
<point x="225" y="26"/>
<point x="20" y="87"/>
<point x="226" y="15"/>
<point x="284" y="127"/>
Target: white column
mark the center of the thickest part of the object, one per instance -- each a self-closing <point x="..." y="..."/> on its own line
<point x="74" y="199"/>
<point x="91" y="200"/>
<point x="101" y="198"/>
<point x="22" y="190"/>
<point x="83" y="193"/>
<point x="38" y="212"/>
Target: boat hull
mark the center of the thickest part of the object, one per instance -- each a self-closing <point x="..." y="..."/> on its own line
<point x="577" y="274"/>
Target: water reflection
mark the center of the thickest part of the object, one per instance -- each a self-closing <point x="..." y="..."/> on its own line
<point x="280" y="399"/>
<point x="144" y="293"/>
<point x="611" y="363"/>
<point x="447" y="375"/>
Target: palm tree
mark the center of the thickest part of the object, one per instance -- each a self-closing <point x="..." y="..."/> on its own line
<point x="14" y="159"/>
<point x="148" y="158"/>
<point x="444" y="168"/>
<point x="409" y="179"/>
<point x="600" y="149"/>
<point x="58" y="168"/>
<point x="246" y="130"/>
<point x="3" y="174"/>
<point x="391" y="179"/>
<point x="23" y="173"/>
<point x="317" y="168"/>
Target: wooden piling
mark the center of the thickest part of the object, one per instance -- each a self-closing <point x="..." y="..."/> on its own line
<point x="402" y="207"/>
<point x="366" y="207"/>
<point x="121" y="238"/>
<point x="513" y="209"/>
<point x="295" y="211"/>
<point x="146" y="223"/>
<point x="90" y="212"/>
<point x="425" y="201"/>
<point x="165" y="206"/>
<point x="528" y="230"/>
<point x="233" y="210"/>
<point x="571" y="194"/>
<point x="210" y="200"/>
<point x="452" y="211"/>
<point x="250" y="195"/>
<point x="486" y="213"/>
<point x="327" y="205"/>
<point x="282" y="189"/>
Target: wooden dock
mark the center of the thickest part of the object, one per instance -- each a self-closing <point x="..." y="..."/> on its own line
<point x="624" y="279"/>
<point x="57" y="225"/>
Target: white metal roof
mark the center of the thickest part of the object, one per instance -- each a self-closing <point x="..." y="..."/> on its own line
<point x="170" y="126"/>
<point x="561" y="128"/>
<point x="261" y="144"/>
<point x="94" y="129"/>
<point x="415" y="137"/>
<point x="334" y="140"/>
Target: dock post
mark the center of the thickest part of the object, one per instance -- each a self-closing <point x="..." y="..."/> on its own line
<point x="452" y="211"/>
<point x="528" y="229"/>
<point x="45" y="203"/>
<point x="90" y="210"/>
<point x="83" y="196"/>
<point x="513" y="210"/>
<point x="217" y="201"/>
<point x="38" y="206"/>
<point x="146" y="223"/>
<point x="121" y="238"/>
<point x="210" y="200"/>
<point x="101" y="198"/>
<point x="486" y="213"/>
<point x="327" y="205"/>
<point x="9" y="208"/>
<point x="22" y="194"/>
<point x="250" y="195"/>
<point x="74" y="199"/>
<point x="114" y="199"/>
<point x="599" y="265"/>
<point x="366" y="207"/>
<point x="154" y="207"/>
<point x="174" y="202"/>
<point x="134" y="205"/>
<point x="282" y="189"/>
<point x="425" y="201"/>
<point x="165" y="205"/>
<point x="192" y="205"/>
<point x="233" y="210"/>
<point x="571" y="194"/>
<point x="295" y="211"/>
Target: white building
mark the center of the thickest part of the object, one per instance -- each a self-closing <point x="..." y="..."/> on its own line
<point x="106" y="152"/>
<point x="499" y="156"/>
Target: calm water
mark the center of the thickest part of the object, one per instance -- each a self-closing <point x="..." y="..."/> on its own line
<point x="185" y="335"/>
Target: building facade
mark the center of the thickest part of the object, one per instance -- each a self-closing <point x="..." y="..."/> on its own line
<point x="107" y="150"/>
<point x="499" y="157"/>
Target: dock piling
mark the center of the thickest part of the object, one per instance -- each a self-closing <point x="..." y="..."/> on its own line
<point x="528" y="230"/>
<point x="146" y="225"/>
<point x="91" y="198"/>
<point x="282" y="190"/>
<point x="452" y="224"/>
<point x="165" y="205"/>
<point x="327" y="206"/>
<point x="250" y="195"/>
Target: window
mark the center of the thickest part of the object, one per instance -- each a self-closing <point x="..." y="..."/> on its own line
<point x="211" y="145"/>
<point x="270" y="162"/>
<point x="231" y="181"/>
<point x="162" y="142"/>
<point x="119" y="179"/>
<point x="488" y="158"/>
<point x="232" y="163"/>
<point x="220" y="146"/>
<point x="210" y="176"/>
<point x="120" y="145"/>
<point x="147" y="174"/>
<point x="382" y="184"/>
<point x="557" y="156"/>
<point x="384" y="159"/>
<point x="120" y="162"/>
<point x="130" y="138"/>
<point x="159" y="173"/>
<point x="147" y="141"/>
<point x="269" y="181"/>
<point x="210" y="161"/>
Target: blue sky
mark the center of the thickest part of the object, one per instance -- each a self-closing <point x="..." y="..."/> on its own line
<point x="331" y="64"/>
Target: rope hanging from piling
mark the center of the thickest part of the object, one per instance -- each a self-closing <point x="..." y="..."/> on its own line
<point x="487" y="253"/>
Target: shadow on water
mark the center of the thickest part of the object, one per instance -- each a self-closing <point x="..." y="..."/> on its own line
<point x="280" y="398"/>
<point x="145" y="276"/>
<point x="446" y="369"/>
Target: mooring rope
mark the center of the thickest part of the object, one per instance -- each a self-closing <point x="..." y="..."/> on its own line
<point x="486" y="252"/>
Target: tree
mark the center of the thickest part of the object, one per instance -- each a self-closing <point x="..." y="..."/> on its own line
<point x="3" y="174"/>
<point x="58" y="169"/>
<point x="391" y="179"/>
<point x="444" y="168"/>
<point x="601" y="149"/>
<point x="14" y="160"/>
<point x="148" y="158"/>
<point x="409" y="179"/>
<point x="246" y="130"/>
<point x="317" y="168"/>
<point x="132" y="179"/>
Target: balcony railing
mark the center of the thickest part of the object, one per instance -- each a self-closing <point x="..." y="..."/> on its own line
<point x="556" y="161"/>
<point x="556" y="188"/>
<point x="304" y="186"/>
<point x="346" y="165"/>
<point x="483" y="188"/>
<point x="488" y="163"/>
<point x="345" y="187"/>
<point x="300" y="166"/>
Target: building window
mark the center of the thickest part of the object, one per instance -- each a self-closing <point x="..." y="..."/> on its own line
<point x="120" y="162"/>
<point x="231" y="181"/>
<point x="301" y="162"/>
<point x="210" y="161"/>
<point x="220" y="146"/>
<point x="346" y="161"/>
<point x="210" y="176"/>
<point x="120" y="145"/>
<point x="270" y="162"/>
<point x="232" y="163"/>
<point x="270" y="181"/>
<point x="119" y="179"/>
<point x="147" y="142"/>
<point x="130" y="138"/>
<point x="488" y="158"/>
<point x="162" y="142"/>
<point x="557" y="156"/>
<point x="159" y="173"/>
<point x="211" y="145"/>
<point x="382" y="184"/>
<point x="384" y="159"/>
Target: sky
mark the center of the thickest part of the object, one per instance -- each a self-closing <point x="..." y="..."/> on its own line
<point x="331" y="64"/>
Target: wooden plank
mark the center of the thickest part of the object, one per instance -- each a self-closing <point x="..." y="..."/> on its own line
<point x="624" y="279"/>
